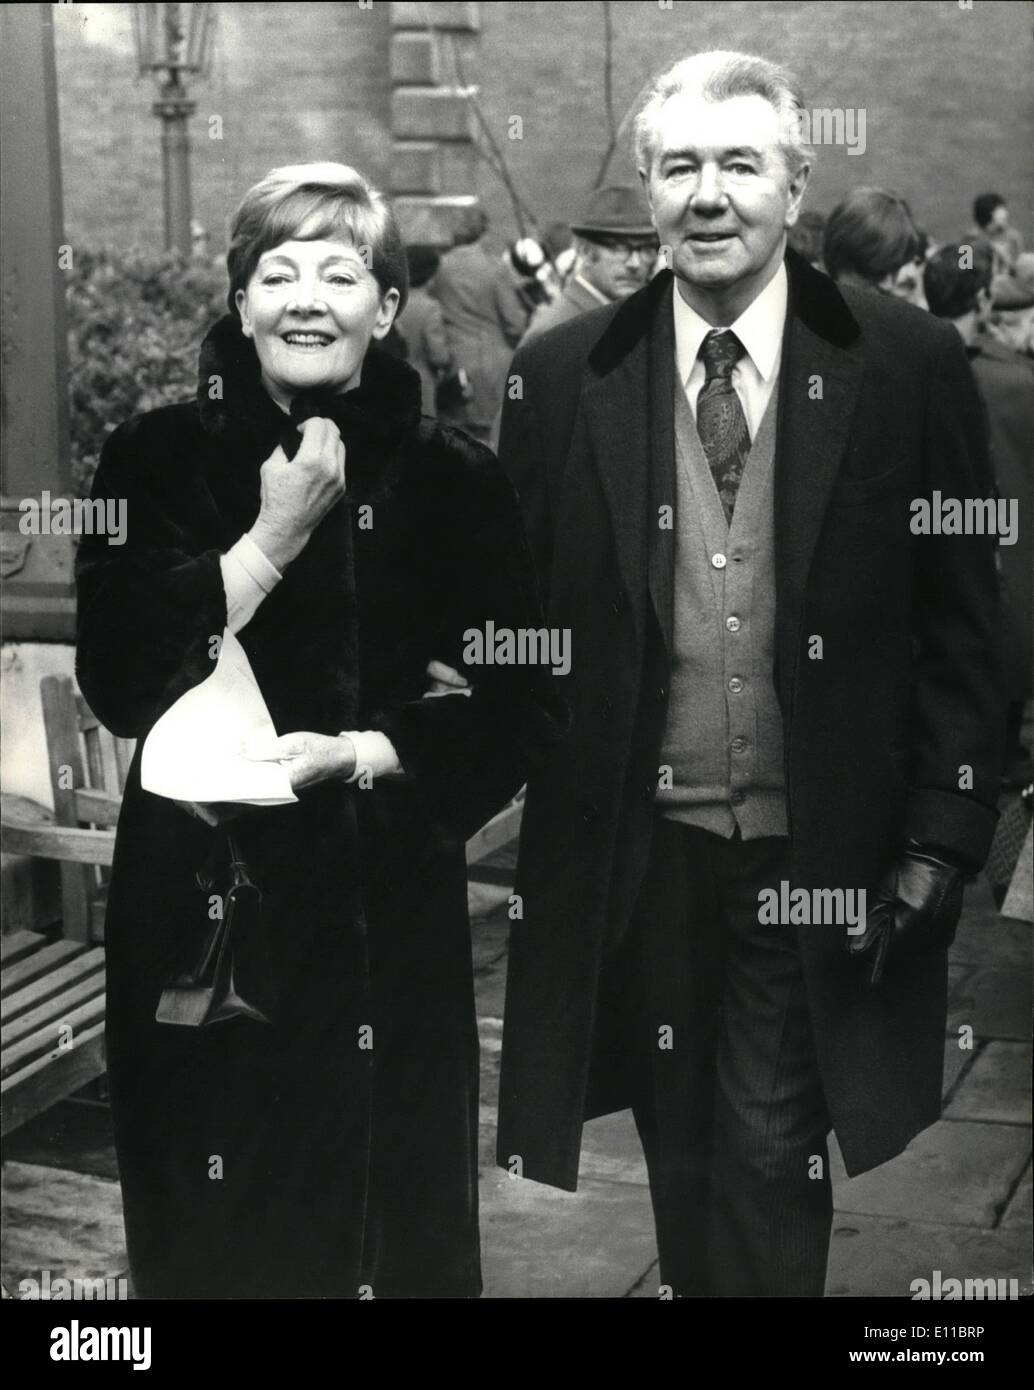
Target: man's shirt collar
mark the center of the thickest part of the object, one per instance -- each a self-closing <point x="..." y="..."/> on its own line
<point x="759" y="328"/>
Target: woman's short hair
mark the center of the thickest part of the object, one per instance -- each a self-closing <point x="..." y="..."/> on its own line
<point x="422" y="261"/>
<point x="718" y="76"/>
<point x="309" y="202"/>
<point x="871" y="234"/>
<point x="985" y="205"/>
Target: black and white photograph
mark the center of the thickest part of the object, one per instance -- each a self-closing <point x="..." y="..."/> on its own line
<point x="517" y="667"/>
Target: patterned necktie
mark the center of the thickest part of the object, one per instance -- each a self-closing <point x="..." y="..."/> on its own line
<point x="721" y="424"/>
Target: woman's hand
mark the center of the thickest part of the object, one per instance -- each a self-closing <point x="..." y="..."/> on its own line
<point x="298" y="493"/>
<point x="445" y="680"/>
<point x="309" y="758"/>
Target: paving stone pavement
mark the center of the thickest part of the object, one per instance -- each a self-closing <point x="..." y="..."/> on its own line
<point x="958" y="1199"/>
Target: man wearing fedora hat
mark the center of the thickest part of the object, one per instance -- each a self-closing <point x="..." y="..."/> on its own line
<point x="617" y="246"/>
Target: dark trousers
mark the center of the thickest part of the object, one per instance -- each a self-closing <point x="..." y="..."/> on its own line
<point x="729" y="1106"/>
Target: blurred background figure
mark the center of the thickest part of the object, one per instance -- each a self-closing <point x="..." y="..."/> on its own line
<point x="422" y="327"/>
<point x="616" y="247"/>
<point x="1012" y="306"/>
<point x="871" y="240"/>
<point x="199" y="247"/>
<point x="805" y="237"/>
<point x="525" y="261"/>
<point x="1006" y="383"/>
<point x="558" y="244"/>
<point x="484" y="319"/>
<point x="991" y="225"/>
<point x="908" y="282"/>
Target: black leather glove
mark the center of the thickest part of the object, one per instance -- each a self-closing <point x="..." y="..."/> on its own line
<point x="915" y="906"/>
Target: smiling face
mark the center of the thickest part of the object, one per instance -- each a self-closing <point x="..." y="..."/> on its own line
<point x="722" y="198"/>
<point x="312" y="308"/>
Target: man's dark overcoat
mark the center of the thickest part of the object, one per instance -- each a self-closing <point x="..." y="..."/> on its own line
<point x="297" y="1159"/>
<point x="893" y="733"/>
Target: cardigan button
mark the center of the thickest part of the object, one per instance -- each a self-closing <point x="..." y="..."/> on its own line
<point x="718" y="561"/>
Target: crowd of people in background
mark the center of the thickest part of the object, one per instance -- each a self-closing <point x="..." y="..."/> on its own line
<point x="470" y="308"/>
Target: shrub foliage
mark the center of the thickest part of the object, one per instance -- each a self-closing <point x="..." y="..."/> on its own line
<point x="135" y="323"/>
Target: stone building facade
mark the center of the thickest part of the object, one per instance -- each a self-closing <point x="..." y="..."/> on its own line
<point x="945" y="88"/>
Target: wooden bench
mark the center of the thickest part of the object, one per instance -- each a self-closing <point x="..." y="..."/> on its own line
<point x="500" y="831"/>
<point x="53" y="1022"/>
<point x="52" y="995"/>
<point x="52" y="1015"/>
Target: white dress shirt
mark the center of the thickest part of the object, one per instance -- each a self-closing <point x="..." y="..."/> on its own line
<point x="760" y="330"/>
<point x="248" y="577"/>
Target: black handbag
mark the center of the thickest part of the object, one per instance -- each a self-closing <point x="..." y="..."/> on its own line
<point x="230" y="962"/>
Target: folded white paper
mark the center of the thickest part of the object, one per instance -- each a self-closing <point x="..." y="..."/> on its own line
<point x="194" y="751"/>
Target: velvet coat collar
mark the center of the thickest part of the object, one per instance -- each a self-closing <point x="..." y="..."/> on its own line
<point x="381" y="411"/>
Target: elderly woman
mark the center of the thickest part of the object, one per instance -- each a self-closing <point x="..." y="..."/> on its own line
<point x="329" y="1152"/>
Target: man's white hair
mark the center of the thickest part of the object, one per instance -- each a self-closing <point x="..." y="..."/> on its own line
<point x="717" y="76"/>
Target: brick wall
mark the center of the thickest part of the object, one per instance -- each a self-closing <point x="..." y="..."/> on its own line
<point x="291" y="82"/>
<point x="949" y="99"/>
<point x="947" y="91"/>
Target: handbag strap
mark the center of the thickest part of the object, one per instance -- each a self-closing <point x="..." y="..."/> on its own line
<point x="238" y="868"/>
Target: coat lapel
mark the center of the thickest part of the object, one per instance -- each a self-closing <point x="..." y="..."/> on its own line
<point x="661" y="542"/>
<point x="813" y="432"/>
<point x="627" y="409"/>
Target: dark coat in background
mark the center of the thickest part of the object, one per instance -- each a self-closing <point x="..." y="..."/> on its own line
<point x="484" y="319"/>
<point x="573" y="299"/>
<point x="422" y="329"/>
<point x="1006" y="382"/>
<point x="877" y="406"/>
<point x="287" y="1160"/>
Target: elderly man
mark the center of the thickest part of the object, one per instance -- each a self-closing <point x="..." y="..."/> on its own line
<point x="783" y="696"/>
<point x="617" y="247"/>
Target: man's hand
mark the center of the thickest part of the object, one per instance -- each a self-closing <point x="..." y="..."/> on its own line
<point x="309" y="758"/>
<point x="298" y="493"/>
<point x="916" y="906"/>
